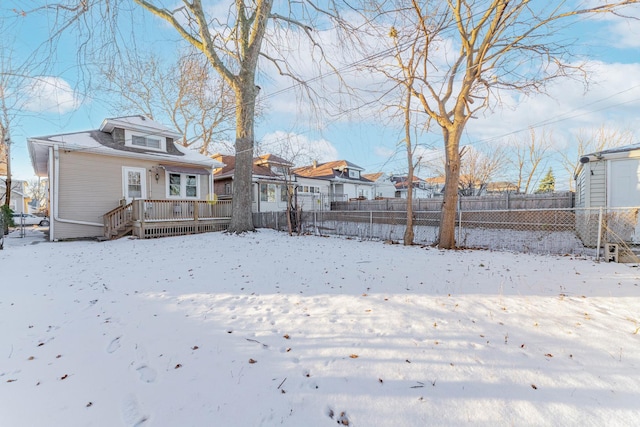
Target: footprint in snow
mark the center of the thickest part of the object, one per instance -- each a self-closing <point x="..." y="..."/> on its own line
<point x="147" y="374"/>
<point x="131" y="414"/>
<point x="113" y="345"/>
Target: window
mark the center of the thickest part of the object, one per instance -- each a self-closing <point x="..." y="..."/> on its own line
<point x="354" y="174"/>
<point x="183" y="185"/>
<point x="228" y="189"/>
<point x="309" y="189"/>
<point x="191" y="185"/>
<point x="134" y="183"/>
<point x="144" y="141"/>
<point x="283" y="193"/>
<point x="267" y="192"/>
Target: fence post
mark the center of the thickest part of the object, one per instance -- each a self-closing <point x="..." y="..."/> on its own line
<point x="599" y="234"/>
<point x="459" y="218"/>
<point x="370" y="225"/>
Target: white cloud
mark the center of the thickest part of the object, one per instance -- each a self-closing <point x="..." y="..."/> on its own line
<point x="297" y="148"/>
<point x="48" y="94"/>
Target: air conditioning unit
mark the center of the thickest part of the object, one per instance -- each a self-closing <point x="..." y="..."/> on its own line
<point x="611" y="252"/>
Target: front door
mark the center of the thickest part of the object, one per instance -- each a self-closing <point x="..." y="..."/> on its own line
<point x="134" y="183"/>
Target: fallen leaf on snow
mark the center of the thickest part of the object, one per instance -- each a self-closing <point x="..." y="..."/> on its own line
<point x="252" y="361"/>
<point x="353" y="356"/>
<point x="64" y="377"/>
<point x="178" y="366"/>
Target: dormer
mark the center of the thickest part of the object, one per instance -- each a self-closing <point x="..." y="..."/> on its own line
<point x="140" y="132"/>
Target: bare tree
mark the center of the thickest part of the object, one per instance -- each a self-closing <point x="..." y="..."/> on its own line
<point x="233" y="46"/>
<point x="527" y="156"/>
<point x="478" y="168"/>
<point x="37" y="190"/>
<point x="501" y="45"/>
<point x="592" y="142"/>
<point x="198" y="105"/>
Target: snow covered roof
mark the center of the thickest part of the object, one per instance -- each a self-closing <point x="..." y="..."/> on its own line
<point x="103" y="142"/>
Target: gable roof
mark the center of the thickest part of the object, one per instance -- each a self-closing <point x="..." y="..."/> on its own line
<point x="101" y="142"/>
<point x="272" y="159"/>
<point x="138" y="123"/>
<point x="330" y="170"/>
<point x="260" y="165"/>
<point x="373" y="177"/>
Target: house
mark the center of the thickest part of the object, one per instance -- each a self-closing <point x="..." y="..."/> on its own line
<point x="319" y="184"/>
<point x="383" y="187"/>
<point x="501" y="187"/>
<point x="19" y="201"/>
<point x="421" y="189"/>
<point x="270" y="177"/>
<point x="126" y="176"/>
<point x="609" y="179"/>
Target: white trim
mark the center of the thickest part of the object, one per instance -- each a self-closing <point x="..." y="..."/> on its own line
<point x="125" y="182"/>
<point x="128" y="140"/>
<point x="183" y="186"/>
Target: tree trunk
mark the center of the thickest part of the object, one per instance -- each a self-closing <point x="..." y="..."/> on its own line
<point x="408" y="231"/>
<point x="241" y="215"/>
<point x="8" y="183"/>
<point x="447" y="235"/>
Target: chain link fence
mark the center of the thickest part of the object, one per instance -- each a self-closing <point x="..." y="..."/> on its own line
<point x="1" y="231"/>
<point x="578" y="231"/>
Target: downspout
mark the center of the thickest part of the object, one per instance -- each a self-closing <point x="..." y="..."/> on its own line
<point x="56" y="195"/>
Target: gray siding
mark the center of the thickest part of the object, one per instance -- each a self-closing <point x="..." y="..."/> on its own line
<point x="581" y="183"/>
<point x="598" y="185"/>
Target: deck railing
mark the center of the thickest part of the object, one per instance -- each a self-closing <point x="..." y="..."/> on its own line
<point x="160" y="218"/>
<point x="117" y="219"/>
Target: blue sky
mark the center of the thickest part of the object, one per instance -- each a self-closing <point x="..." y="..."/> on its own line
<point x="613" y="100"/>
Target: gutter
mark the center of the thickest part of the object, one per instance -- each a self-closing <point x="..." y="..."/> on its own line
<point x="56" y="194"/>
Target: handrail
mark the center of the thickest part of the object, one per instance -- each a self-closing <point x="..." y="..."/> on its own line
<point x="117" y="218"/>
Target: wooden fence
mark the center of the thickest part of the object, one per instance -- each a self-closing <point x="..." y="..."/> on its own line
<point x="467" y="203"/>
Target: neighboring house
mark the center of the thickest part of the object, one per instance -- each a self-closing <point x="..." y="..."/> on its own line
<point x="383" y="187"/>
<point x="19" y="202"/>
<point x="421" y="189"/>
<point x="469" y="186"/>
<point x="501" y="187"/>
<point x="609" y="178"/>
<point x="130" y="158"/>
<point x="321" y="183"/>
<point x="270" y="176"/>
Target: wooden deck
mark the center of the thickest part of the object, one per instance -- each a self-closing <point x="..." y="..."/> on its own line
<point x="145" y="218"/>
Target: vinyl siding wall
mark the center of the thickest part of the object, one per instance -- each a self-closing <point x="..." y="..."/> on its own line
<point x="597" y="185"/>
<point x="90" y="186"/>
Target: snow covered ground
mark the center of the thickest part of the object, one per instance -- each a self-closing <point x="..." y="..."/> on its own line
<point x="267" y="329"/>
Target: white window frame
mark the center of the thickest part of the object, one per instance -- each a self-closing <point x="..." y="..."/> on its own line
<point x="183" y="186"/>
<point x="128" y="140"/>
<point x="354" y="174"/>
<point x="125" y="182"/>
